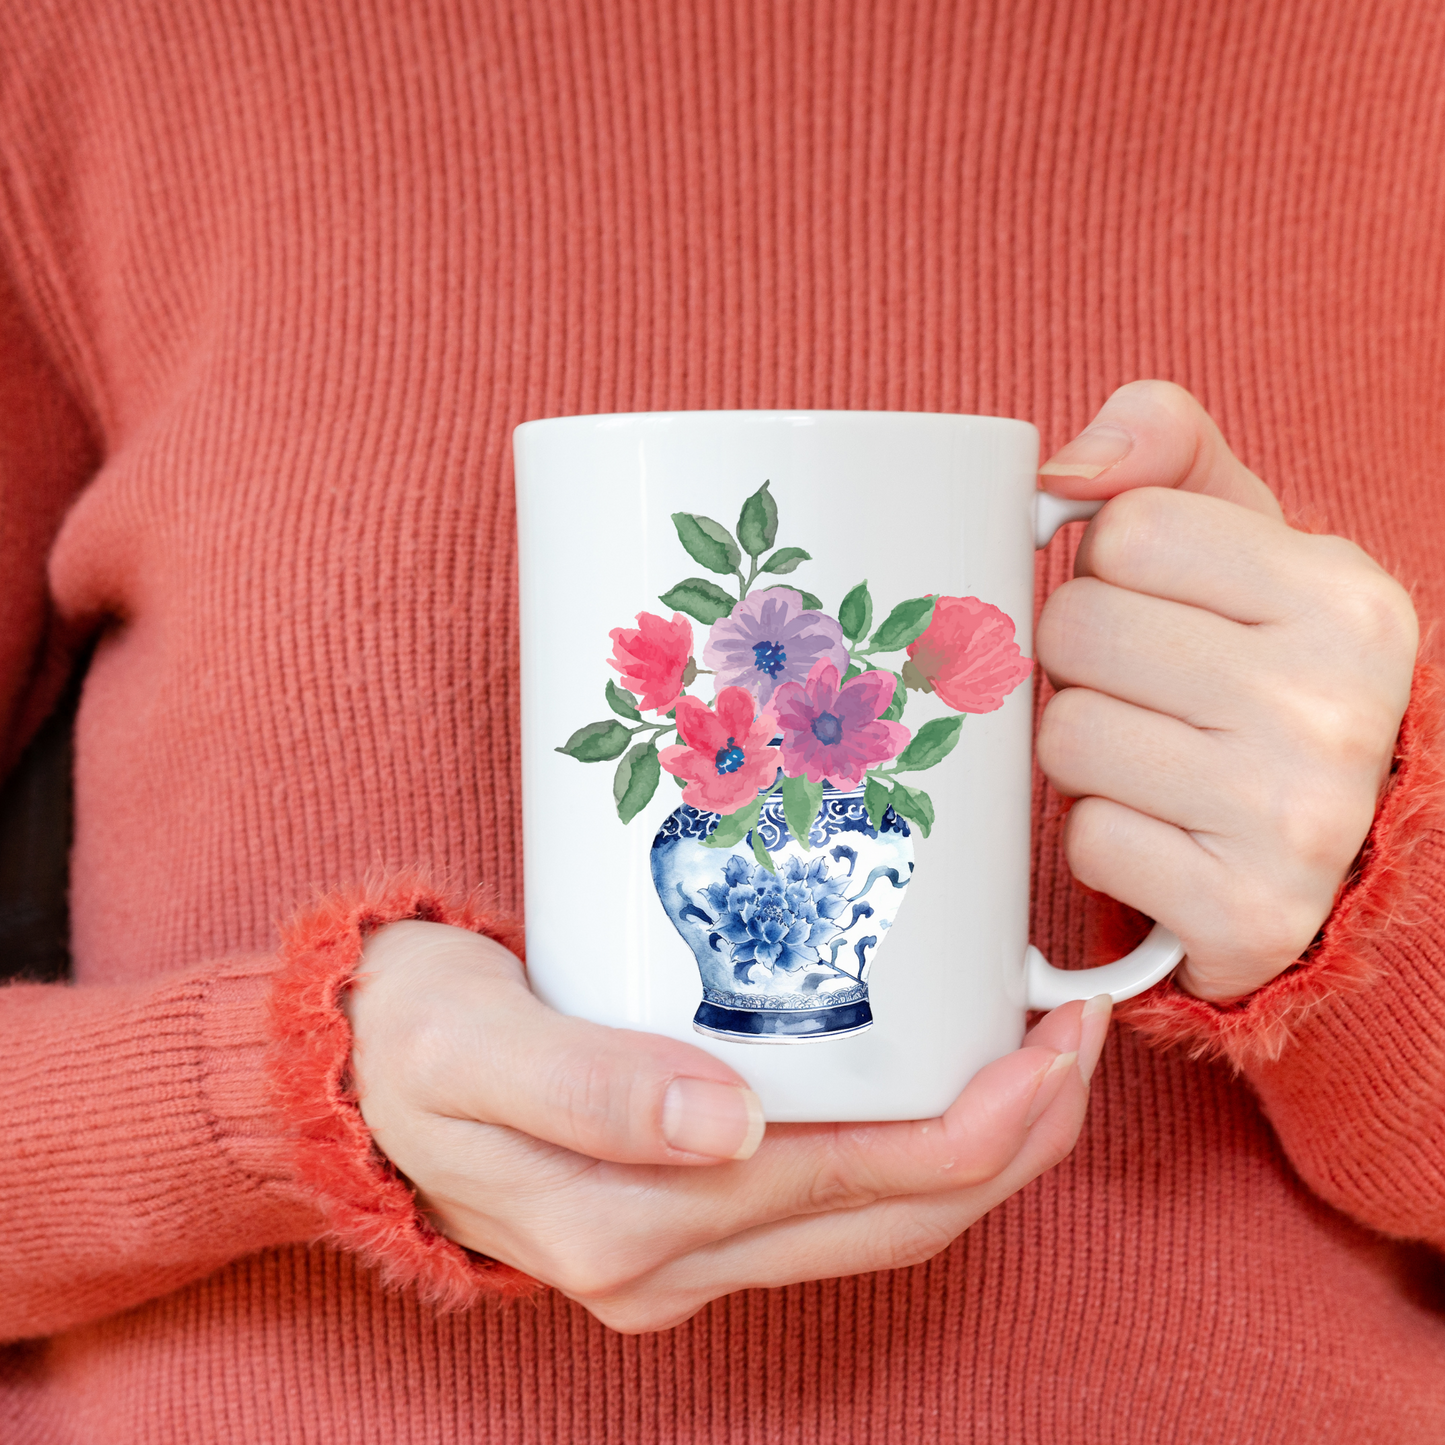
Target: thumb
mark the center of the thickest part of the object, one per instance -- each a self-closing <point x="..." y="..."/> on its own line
<point x="444" y="1025"/>
<point x="616" y="1094"/>
<point x="1154" y="434"/>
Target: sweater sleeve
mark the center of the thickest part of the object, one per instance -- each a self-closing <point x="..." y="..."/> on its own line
<point x="155" y="1132"/>
<point x="1346" y="1049"/>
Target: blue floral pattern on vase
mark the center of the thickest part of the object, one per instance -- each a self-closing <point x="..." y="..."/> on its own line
<point x="784" y="953"/>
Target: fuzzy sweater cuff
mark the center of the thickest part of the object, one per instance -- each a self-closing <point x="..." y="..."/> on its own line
<point x="369" y="1207"/>
<point x="1379" y="892"/>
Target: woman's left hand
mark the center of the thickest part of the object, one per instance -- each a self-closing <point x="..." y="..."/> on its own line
<point x="1230" y="692"/>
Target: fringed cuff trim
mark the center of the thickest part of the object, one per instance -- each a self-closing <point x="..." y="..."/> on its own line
<point x="1379" y="894"/>
<point x="368" y="1205"/>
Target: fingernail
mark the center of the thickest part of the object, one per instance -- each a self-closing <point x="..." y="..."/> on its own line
<point x="1094" y="1029"/>
<point x="1049" y="1086"/>
<point x="722" y="1121"/>
<point x="1094" y="450"/>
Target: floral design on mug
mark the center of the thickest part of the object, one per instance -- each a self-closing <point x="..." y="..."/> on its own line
<point x="836" y="730"/>
<point x="653" y="659"/>
<point x="781" y="664"/>
<point x="769" y="640"/>
<point x="724" y="757"/>
<point x="777" y="924"/>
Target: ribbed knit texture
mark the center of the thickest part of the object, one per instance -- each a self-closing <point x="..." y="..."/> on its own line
<point x="276" y="281"/>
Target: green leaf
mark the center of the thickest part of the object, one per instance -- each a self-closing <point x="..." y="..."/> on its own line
<point x="681" y="782"/>
<point x="598" y="742"/>
<point x="761" y="853"/>
<point x="707" y="542"/>
<point x="786" y="559"/>
<point x="733" y="827"/>
<point x="622" y="702"/>
<point x="915" y="805"/>
<point x="801" y="801"/>
<point x="931" y="744"/>
<point x="699" y="598"/>
<point x="853" y="671"/>
<point x="907" y="621"/>
<point x="894" y="710"/>
<point x="758" y="522"/>
<point x="636" y="780"/>
<point x="813" y="604"/>
<point x="855" y="616"/>
<point x="876" y="798"/>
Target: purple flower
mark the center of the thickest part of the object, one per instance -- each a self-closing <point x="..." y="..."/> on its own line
<point x="768" y="639"/>
<point x="834" y="732"/>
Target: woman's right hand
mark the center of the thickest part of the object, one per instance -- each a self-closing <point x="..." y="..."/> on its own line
<point x="631" y="1171"/>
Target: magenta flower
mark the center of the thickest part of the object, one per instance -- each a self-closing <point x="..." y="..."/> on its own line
<point x="652" y="657"/>
<point x="835" y="732"/>
<point x="726" y="759"/>
<point x="769" y="639"/>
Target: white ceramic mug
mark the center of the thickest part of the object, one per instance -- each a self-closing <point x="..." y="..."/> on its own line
<point x="890" y="965"/>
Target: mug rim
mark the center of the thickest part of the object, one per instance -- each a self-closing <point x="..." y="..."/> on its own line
<point x="802" y="415"/>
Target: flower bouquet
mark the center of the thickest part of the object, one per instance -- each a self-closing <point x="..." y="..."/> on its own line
<point x="799" y="696"/>
<point x="803" y="742"/>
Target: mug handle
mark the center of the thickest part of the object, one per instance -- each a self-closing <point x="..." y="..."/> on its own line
<point x="1158" y="956"/>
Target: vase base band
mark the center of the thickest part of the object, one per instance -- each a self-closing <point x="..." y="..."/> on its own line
<point x="782" y="1026"/>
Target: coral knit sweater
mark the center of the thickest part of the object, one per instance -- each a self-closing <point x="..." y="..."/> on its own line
<point x="277" y="278"/>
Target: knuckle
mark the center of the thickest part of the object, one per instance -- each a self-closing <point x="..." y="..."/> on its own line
<point x="1065" y="619"/>
<point x="1333" y="734"/>
<point x="420" y="1048"/>
<point x="1315" y="814"/>
<point x="1086" y="841"/>
<point x="829" y="1190"/>
<point x="837" y="1183"/>
<point x="1269" y="927"/>
<point x="1064" y="729"/>
<point x="914" y="1240"/>
<point x="1363" y="600"/>
<point x="1319" y="835"/>
<point x="595" y="1099"/>
<point x="1168" y="395"/>
<point x="592" y="1273"/>
<point x="1131" y="529"/>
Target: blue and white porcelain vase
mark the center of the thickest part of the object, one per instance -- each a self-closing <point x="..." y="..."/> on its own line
<point x="784" y="953"/>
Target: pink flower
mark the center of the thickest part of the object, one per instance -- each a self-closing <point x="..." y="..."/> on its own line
<point x="769" y="639"/>
<point x="727" y="758"/>
<point x="968" y="655"/>
<point x="834" y="732"/>
<point x="651" y="658"/>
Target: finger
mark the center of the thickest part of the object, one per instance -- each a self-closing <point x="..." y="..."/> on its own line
<point x="1241" y="922"/>
<point x="1060" y="1029"/>
<point x="1166" y="656"/>
<point x="1090" y="744"/>
<point x="613" y="1094"/>
<point x="1203" y="551"/>
<point x="1154" y="434"/>
<point x="552" y="1202"/>
<point x="889" y="1234"/>
<point x="503" y="1057"/>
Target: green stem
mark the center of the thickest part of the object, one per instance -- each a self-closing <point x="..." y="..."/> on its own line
<point x="751" y="578"/>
